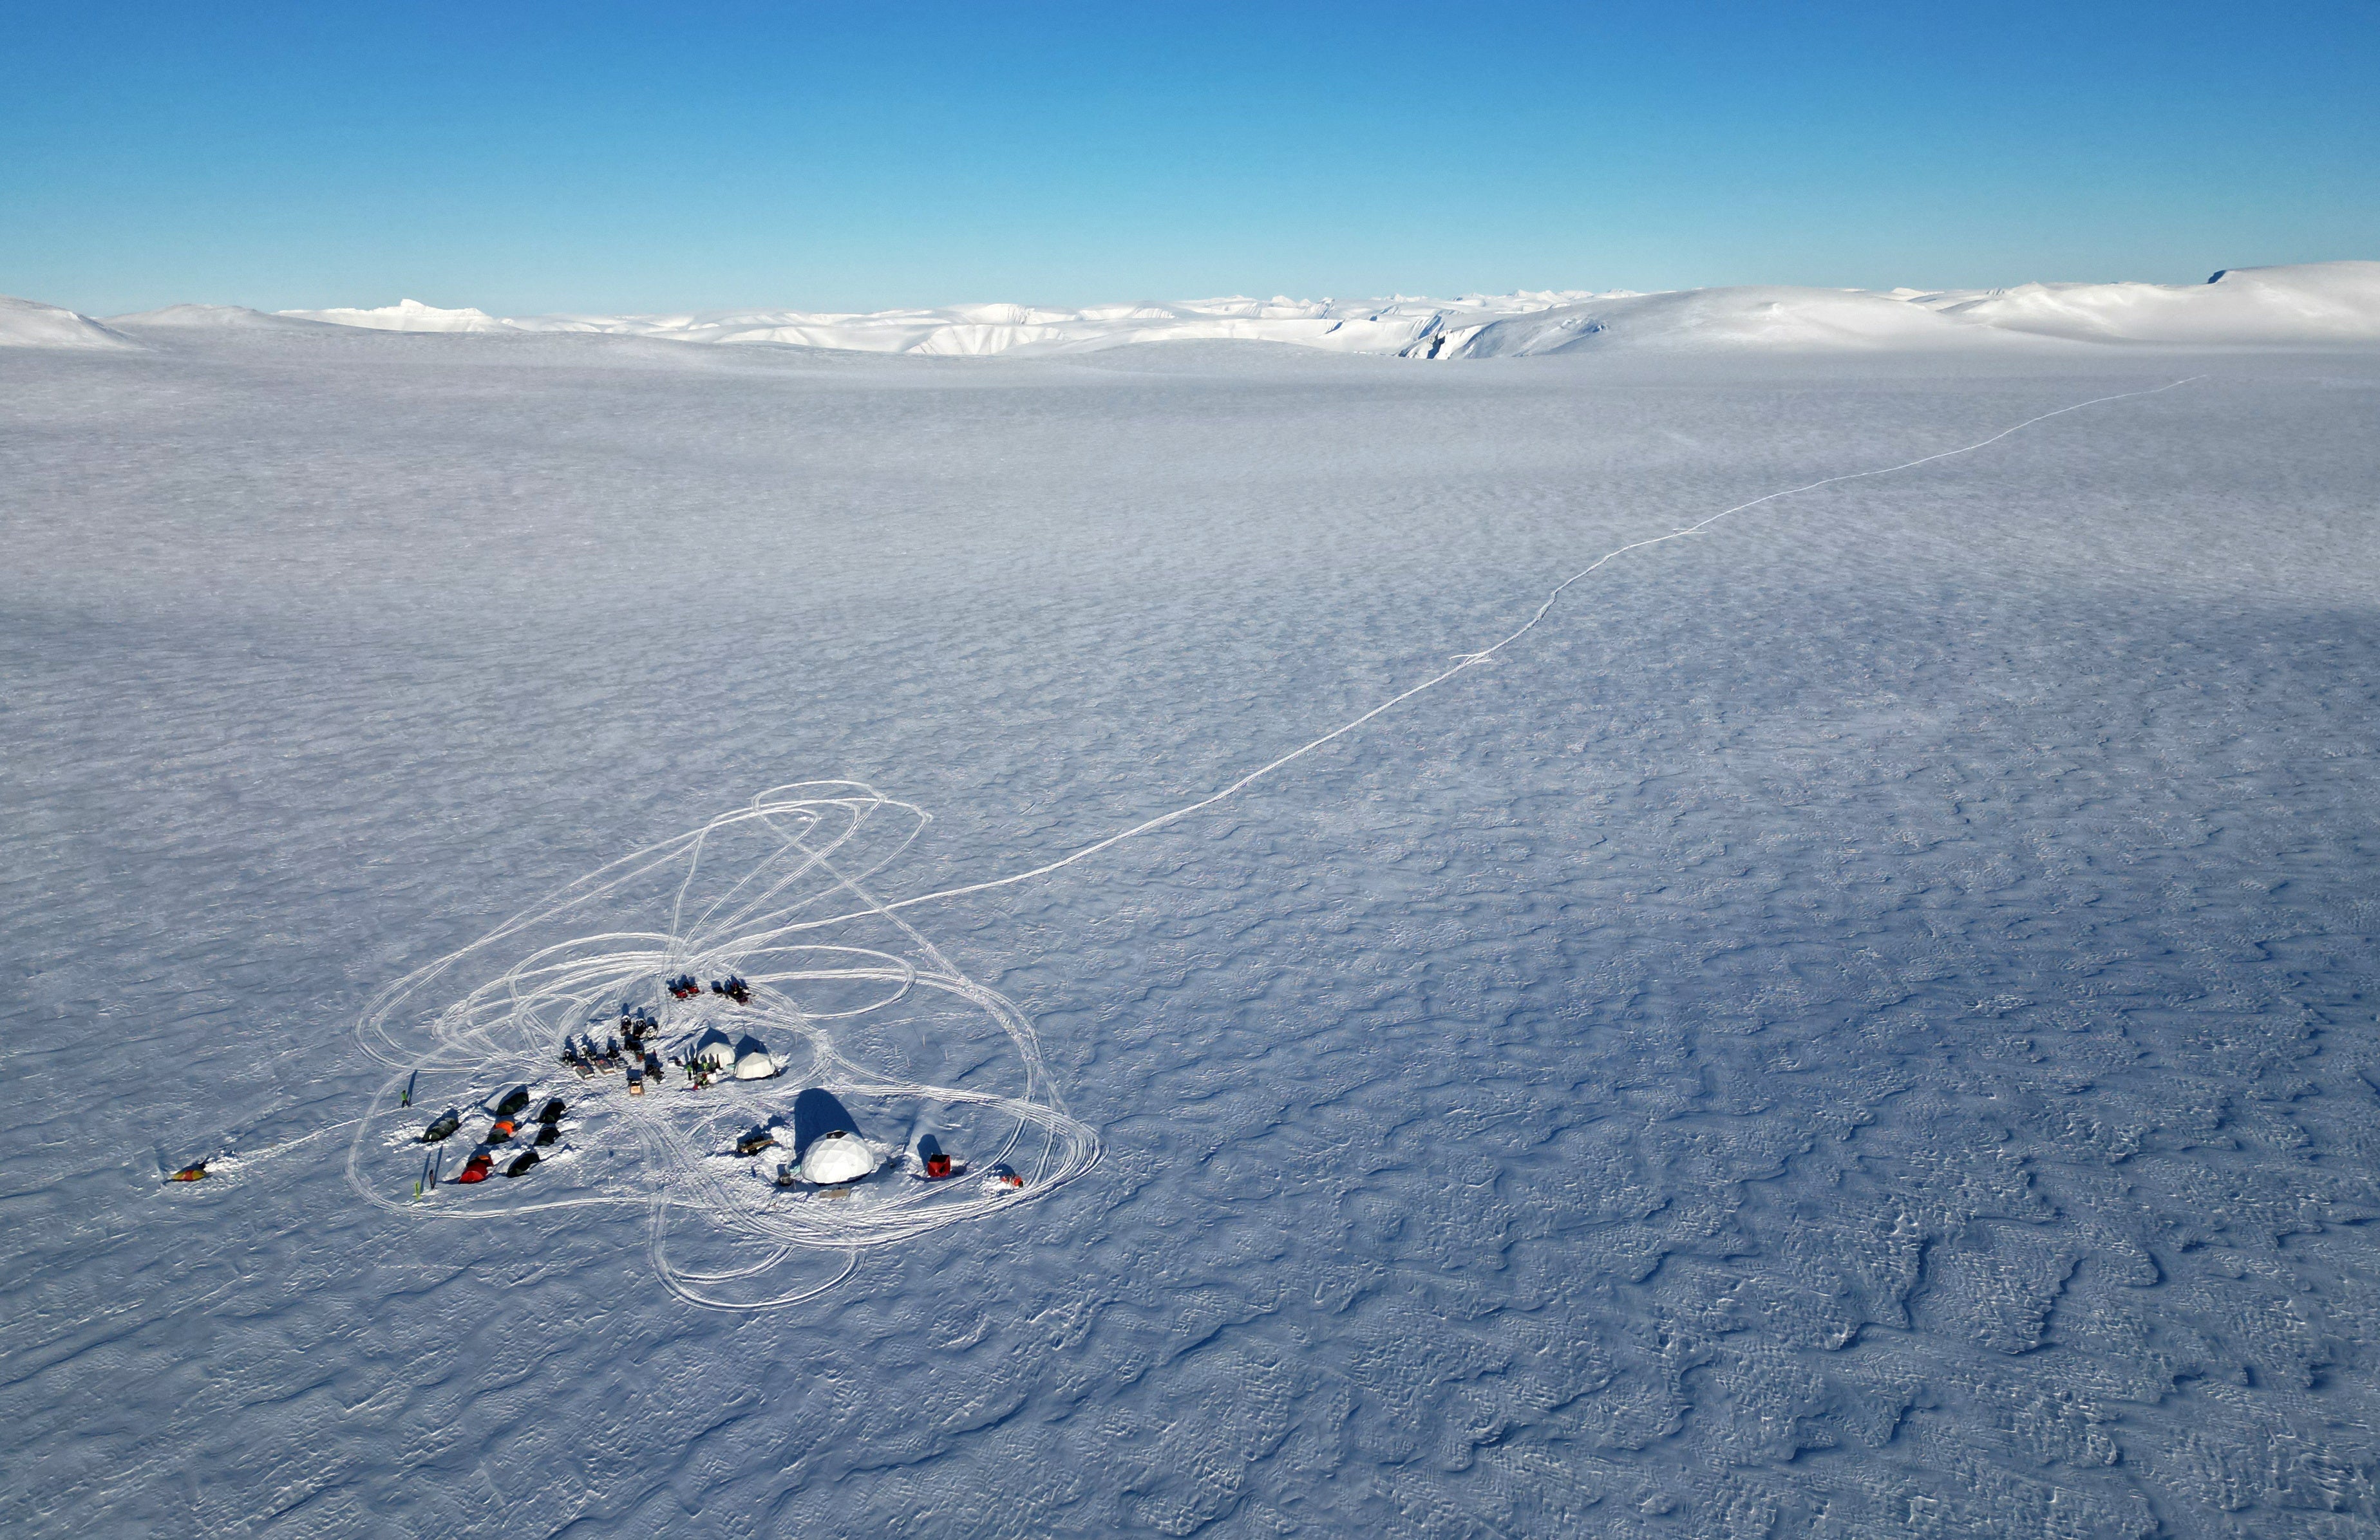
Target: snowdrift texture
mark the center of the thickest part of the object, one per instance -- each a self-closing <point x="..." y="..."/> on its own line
<point x="2310" y="304"/>
<point x="218" y="316"/>
<point x="1860" y="1023"/>
<point x="2315" y="303"/>
<point x="26" y="323"/>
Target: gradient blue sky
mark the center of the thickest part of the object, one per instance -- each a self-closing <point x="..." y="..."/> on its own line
<point x="603" y="156"/>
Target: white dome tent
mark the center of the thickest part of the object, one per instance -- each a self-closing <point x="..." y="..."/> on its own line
<point x="828" y="1150"/>
<point x="837" y="1158"/>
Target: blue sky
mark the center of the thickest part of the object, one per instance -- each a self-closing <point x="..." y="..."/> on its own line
<point x="638" y="157"/>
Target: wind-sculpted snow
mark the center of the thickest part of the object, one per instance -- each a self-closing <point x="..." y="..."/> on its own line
<point x="2334" y="303"/>
<point x="24" y="323"/>
<point x="221" y="317"/>
<point x="2310" y="304"/>
<point x="1780" y="320"/>
<point x="2313" y="303"/>
<point x="777" y="896"/>
<point x="1856" y="1022"/>
<point x="974" y="331"/>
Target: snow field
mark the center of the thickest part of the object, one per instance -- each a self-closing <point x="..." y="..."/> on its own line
<point x="1467" y="661"/>
<point x="1857" y="1027"/>
<point x="508" y="1025"/>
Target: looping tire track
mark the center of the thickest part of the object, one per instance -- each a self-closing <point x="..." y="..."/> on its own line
<point x="507" y="1029"/>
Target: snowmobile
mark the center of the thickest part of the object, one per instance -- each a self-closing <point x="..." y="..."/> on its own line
<point x="757" y="1141"/>
<point x="1003" y="1179"/>
<point x="443" y="1129"/>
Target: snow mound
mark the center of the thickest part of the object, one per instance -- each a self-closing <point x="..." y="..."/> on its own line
<point x="1766" y="318"/>
<point x="29" y="324"/>
<point x="215" y="318"/>
<point x="2312" y="302"/>
<point x="412" y="315"/>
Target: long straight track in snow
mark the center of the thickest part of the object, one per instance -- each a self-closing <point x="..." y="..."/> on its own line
<point x="1466" y="661"/>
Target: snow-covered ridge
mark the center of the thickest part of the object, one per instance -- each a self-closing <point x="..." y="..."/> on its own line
<point x="2314" y="302"/>
<point x="412" y="315"/>
<point x="1392" y="325"/>
<point x="2311" y="303"/>
<point x="27" y="324"/>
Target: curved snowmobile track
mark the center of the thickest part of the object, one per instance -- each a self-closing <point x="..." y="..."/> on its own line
<point x="727" y="897"/>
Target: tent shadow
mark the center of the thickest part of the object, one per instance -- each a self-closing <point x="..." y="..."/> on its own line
<point x="817" y="1112"/>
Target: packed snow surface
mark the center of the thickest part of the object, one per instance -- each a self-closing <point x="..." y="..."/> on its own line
<point x="1664" y="941"/>
<point x="2311" y="303"/>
